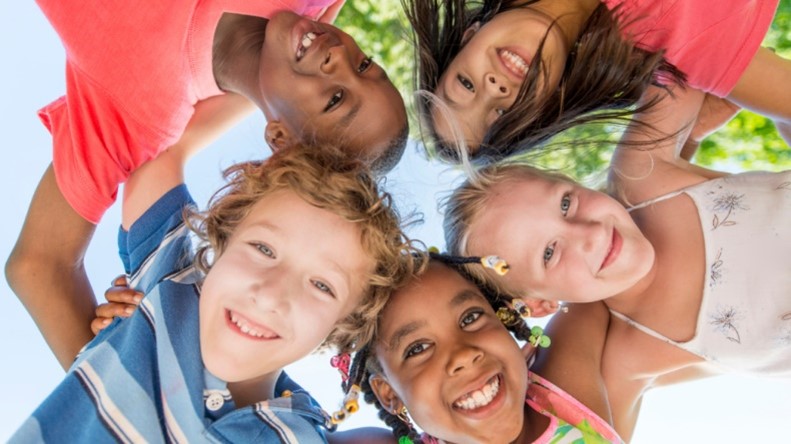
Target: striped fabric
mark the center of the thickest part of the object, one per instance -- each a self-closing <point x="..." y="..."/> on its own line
<point x="142" y="378"/>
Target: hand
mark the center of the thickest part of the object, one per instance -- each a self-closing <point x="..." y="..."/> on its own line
<point x="122" y="301"/>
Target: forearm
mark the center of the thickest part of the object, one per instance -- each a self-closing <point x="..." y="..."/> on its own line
<point x="45" y="270"/>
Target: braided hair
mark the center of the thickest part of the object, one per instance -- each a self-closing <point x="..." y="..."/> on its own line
<point x="365" y="362"/>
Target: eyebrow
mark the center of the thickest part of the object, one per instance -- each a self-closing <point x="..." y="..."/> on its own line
<point x="461" y="298"/>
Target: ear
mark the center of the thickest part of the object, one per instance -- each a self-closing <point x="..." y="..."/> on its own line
<point x="469" y="32"/>
<point x="278" y="136"/>
<point x="384" y="393"/>
<point x="540" y="307"/>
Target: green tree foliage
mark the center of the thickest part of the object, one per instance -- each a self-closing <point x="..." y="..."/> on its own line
<point x="748" y="142"/>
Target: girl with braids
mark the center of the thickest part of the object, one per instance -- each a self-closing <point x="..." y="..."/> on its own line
<point x="443" y="358"/>
<point x="504" y="76"/>
<point x="692" y="263"/>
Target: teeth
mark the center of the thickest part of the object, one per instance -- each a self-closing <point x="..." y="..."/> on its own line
<point x="514" y="62"/>
<point x="305" y="43"/>
<point x="479" y="398"/>
<point x="245" y="327"/>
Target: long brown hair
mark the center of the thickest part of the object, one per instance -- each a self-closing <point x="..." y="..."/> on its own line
<point x="604" y="76"/>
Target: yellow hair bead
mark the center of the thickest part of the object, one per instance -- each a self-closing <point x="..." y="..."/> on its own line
<point x="496" y="263"/>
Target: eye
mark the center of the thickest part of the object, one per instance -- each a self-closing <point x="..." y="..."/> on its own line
<point x="548" y="253"/>
<point x="268" y="252"/>
<point x="366" y="63"/>
<point x="415" y="349"/>
<point x="324" y="288"/>
<point x="469" y="318"/>
<point x="565" y="203"/>
<point x="334" y="100"/>
<point x="466" y="83"/>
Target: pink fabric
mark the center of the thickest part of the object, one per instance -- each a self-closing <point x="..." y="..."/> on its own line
<point x="553" y="402"/>
<point x="134" y="71"/>
<point x="711" y="42"/>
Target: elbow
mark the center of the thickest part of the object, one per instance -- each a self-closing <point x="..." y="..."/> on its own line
<point x="19" y="268"/>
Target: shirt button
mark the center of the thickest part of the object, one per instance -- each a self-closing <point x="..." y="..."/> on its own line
<point x="215" y="401"/>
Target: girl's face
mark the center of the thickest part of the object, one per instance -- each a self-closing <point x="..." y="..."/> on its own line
<point x="563" y="242"/>
<point x="449" y="359"/>
<point x="290" y="271"/>
<point x="484" y="79"/>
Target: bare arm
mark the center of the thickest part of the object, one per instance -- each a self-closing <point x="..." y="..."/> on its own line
<point x="763" y="88"/>
<point x="573" y="361"/>
<point x="46" y="269"/>
<point x="364" y="435"/>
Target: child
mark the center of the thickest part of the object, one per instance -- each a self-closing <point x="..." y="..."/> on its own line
<point x="692" y="271"/>
<point x="508" y="75"/>
<point x="443" y="356"/>
<point x="298" y="251"/>
<point x="132" y="84"/>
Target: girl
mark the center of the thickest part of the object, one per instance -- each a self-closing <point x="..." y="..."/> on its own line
<point x="132" y="84"/>
<point x="510" y="74"/>
<point x="443" y="356"/>
<point x="692" y="271"/>
<point x="299" y="251"/>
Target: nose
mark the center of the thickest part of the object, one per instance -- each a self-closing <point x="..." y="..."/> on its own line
<point x="495" y="85"/>
<point x="464" y="357"/>
<point x="589" y="234"/>
<point x="336" y="60"/>
<point x="271" y="292"/>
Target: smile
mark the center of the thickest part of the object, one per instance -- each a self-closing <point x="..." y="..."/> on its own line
<point x="305" y="42"/>
<point x="481" y="397"/>
<point x="514" y="63"/>
<point x="248" y="328"/>
<point x="616" y="242"/>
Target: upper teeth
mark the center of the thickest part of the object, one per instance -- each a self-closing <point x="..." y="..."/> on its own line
<point x="514" y="62"/>
<point x="480" y="397"/>
<point x="245" y="327"/>
<point x="305" y="43"/>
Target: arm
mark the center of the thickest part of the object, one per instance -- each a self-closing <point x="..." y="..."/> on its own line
<point x="763" y="88"/>
<point x="364" y="435"/>
<point x="573" y="361"/>
<point x="45" y="268"/>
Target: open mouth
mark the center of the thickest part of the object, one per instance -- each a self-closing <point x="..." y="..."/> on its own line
<point x="616" y="241"/>
<point x="514" y="64"/>
<point x="305" y="43"/>
<point x="247" y="328"/>
<point x="481" y="397"/>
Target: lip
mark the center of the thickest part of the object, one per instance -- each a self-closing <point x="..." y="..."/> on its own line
<point x="517" y="77"/>
<point x="488" y="409"/>
<point x="266" y="333"/>
<point x="300" y="28"/>
<point x="616" y="242"/>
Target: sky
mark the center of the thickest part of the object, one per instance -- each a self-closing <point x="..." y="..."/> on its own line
<point x="725" y="409"/>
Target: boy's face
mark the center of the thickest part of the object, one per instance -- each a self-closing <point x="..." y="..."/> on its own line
<point x="562" y="241"/>
<point x="449" y="359"/>
<point x="290" y="271"/>
<point x="322" y="83"/>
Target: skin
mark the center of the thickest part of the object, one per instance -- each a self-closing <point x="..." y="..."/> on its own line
<point x="666" y="291"/>
<point x="482" y="81"/>
<point x="562" y="241"/>
<point x="334" y="91"/>
<point x="451" y="346"/>
<point x="289" y="272"/>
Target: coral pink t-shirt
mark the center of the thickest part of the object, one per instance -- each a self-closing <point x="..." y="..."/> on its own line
<point x="712" y="42"/>
<point x="134" y="71"/>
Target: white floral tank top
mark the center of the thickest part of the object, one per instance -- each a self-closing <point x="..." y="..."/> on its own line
<point x="744" y="323"/>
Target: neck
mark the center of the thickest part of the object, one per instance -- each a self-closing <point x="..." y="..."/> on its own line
<point x="236" y="54"/>
<point x="254" y="390"/>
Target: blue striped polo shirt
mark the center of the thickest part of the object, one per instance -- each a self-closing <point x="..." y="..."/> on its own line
<point x="142" y="378"/>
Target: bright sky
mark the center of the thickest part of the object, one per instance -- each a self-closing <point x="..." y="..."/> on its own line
<point x="728" y="409"/>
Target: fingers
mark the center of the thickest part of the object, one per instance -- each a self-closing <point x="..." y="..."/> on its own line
<point x="120" y="281"/>
<point x="123" y="294"/>
<point x="107" y="311"/>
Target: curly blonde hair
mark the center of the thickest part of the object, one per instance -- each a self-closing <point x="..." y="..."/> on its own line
<point x="326" y="178"/>
<point x="472" y="197"/>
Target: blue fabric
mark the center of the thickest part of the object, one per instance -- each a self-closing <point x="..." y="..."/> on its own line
<point x="142" y="378"/>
